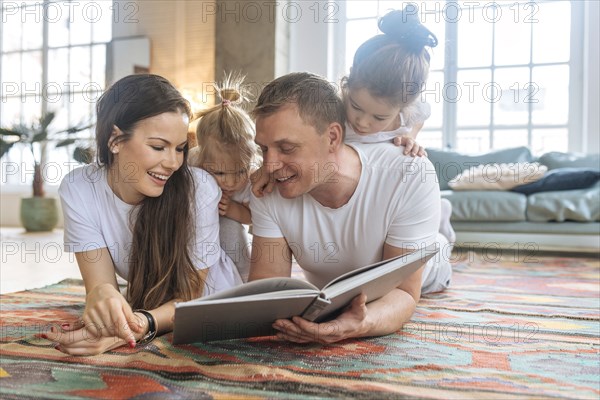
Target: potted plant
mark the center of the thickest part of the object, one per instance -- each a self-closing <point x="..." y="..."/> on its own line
<point x="39" y="213"/>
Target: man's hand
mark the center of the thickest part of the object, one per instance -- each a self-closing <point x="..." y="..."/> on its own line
<point x="410" y="146"/>
<point x="350" y="323"/>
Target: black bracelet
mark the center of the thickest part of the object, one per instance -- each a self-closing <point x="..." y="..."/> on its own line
<point x="152" y="328"/>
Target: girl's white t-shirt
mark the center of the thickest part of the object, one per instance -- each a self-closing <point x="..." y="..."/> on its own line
<point x="96" y="218"/>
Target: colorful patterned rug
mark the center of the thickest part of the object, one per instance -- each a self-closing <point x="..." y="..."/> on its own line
<point x="507" y="329"/>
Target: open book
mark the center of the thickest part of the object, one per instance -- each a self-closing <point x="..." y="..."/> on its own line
<point x="250" y="309"/>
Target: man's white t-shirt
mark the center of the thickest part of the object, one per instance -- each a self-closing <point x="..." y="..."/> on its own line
<point x="414" y="114"/>
<point x="96" y="218"/>
<point x="396" y="201"/>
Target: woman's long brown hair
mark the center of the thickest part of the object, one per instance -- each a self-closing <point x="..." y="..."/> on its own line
<point x="160" y="264"/>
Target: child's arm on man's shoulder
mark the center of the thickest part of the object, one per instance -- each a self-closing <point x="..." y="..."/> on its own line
<point x="262" y="182"/>
<point x="410" y="145"/>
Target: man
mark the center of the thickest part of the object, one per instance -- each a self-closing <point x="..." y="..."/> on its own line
<point x="338" y="207"/>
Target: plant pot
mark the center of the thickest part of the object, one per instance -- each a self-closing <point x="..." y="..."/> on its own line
<point x="39" y="214"/>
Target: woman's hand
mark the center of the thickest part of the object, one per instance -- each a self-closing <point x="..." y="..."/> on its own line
<point x="78" y="339"/>
<point x="107" y="314"/>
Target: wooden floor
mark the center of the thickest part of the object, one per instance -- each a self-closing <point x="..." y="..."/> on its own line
<point x="33" y="260"/>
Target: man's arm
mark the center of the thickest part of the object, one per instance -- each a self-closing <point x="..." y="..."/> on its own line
<point x="271" y="257"/>
<point x="380" y="317"/>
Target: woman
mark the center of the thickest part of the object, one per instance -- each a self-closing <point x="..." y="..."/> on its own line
<point x="127" y="215"/>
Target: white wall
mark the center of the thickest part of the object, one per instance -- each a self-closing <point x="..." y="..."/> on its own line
<point x="310" y="36"/>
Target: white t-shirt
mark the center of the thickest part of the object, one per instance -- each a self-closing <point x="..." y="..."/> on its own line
<point x="414" y="114"/>
<point x="96" y="218"/>
<point x="396" y="201"/>
<point x="243" y="196"/>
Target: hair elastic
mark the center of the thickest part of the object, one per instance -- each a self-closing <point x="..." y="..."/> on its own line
<point x="226" y="102"/>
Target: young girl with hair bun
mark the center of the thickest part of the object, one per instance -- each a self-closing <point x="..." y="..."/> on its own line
<point x="388" y="73"/>
<point x="382" y="91"/>
<point x="226" y="149"/>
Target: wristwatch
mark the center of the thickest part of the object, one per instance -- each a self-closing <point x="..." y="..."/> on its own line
<point x="152" y="327"/>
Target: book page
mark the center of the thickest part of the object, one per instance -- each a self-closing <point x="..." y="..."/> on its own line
<point x="277" y="295"/>
<point x="260" y="287"/>
<point x="374" y="281"/>
<point x="360" y="270"/>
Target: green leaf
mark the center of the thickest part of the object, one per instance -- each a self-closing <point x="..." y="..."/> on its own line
<point x="46" y="120"/>
<point x="65" y="142"/>
<point x="5" y="147"/>
<point x="8" y="132"/>
<point x="39" y="137"/>
<point x="76" y="129"/>
<point x="84" y="155"/>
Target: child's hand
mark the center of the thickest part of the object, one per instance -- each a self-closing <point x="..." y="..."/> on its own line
<point x="262" y="182"/>
<point x="410" y="146"/>
<point x="224" y="204"/>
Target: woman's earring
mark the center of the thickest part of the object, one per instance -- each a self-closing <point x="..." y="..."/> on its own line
<point x="114" y="150"/>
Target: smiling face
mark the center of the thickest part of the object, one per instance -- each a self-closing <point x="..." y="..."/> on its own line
<point x="293" y="151"/>
<point x="144" y="163"/>
<point x="367" y="114"/>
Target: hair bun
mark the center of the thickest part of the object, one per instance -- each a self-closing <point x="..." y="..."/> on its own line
<point x="405" y="27"/>
<point x="230" y="94"/>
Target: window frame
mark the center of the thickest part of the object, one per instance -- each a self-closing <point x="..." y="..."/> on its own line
<point x="19" y="154"/>
<point x="449" y="128"/>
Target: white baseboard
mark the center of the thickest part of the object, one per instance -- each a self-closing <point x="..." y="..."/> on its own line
<point x="530" y="241"/>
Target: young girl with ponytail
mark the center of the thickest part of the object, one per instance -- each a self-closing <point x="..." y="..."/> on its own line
<point x="226" y="149"/>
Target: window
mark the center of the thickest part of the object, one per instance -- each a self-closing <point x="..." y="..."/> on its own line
<point x="52" y="59"/>
<point x="501" y="75"/>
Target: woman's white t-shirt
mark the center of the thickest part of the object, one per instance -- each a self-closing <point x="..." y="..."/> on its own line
<point x="96" y="218"/>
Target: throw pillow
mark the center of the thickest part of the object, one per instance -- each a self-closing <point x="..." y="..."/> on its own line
<point x="561" y="179"/>
<point x="555" y="160"/>
<point x="497" y="176"/>
<point x="448" y="164"/>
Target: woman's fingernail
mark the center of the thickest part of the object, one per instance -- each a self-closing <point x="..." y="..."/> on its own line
<point x="132" y="344"/>
<point x="57" y="347"/>
<point x="52" y="329"/>
<point x="44" y="336"/>
<point x="65" y="326"/>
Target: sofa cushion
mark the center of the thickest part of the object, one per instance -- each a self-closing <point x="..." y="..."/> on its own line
<point x="554" y="160"/>
<point x="498" y="176"/>
<point x="571" y="205"/>
<point x="449" y="164"/>
<point x="561" y="179"/>
<point x="486" y="206"/>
